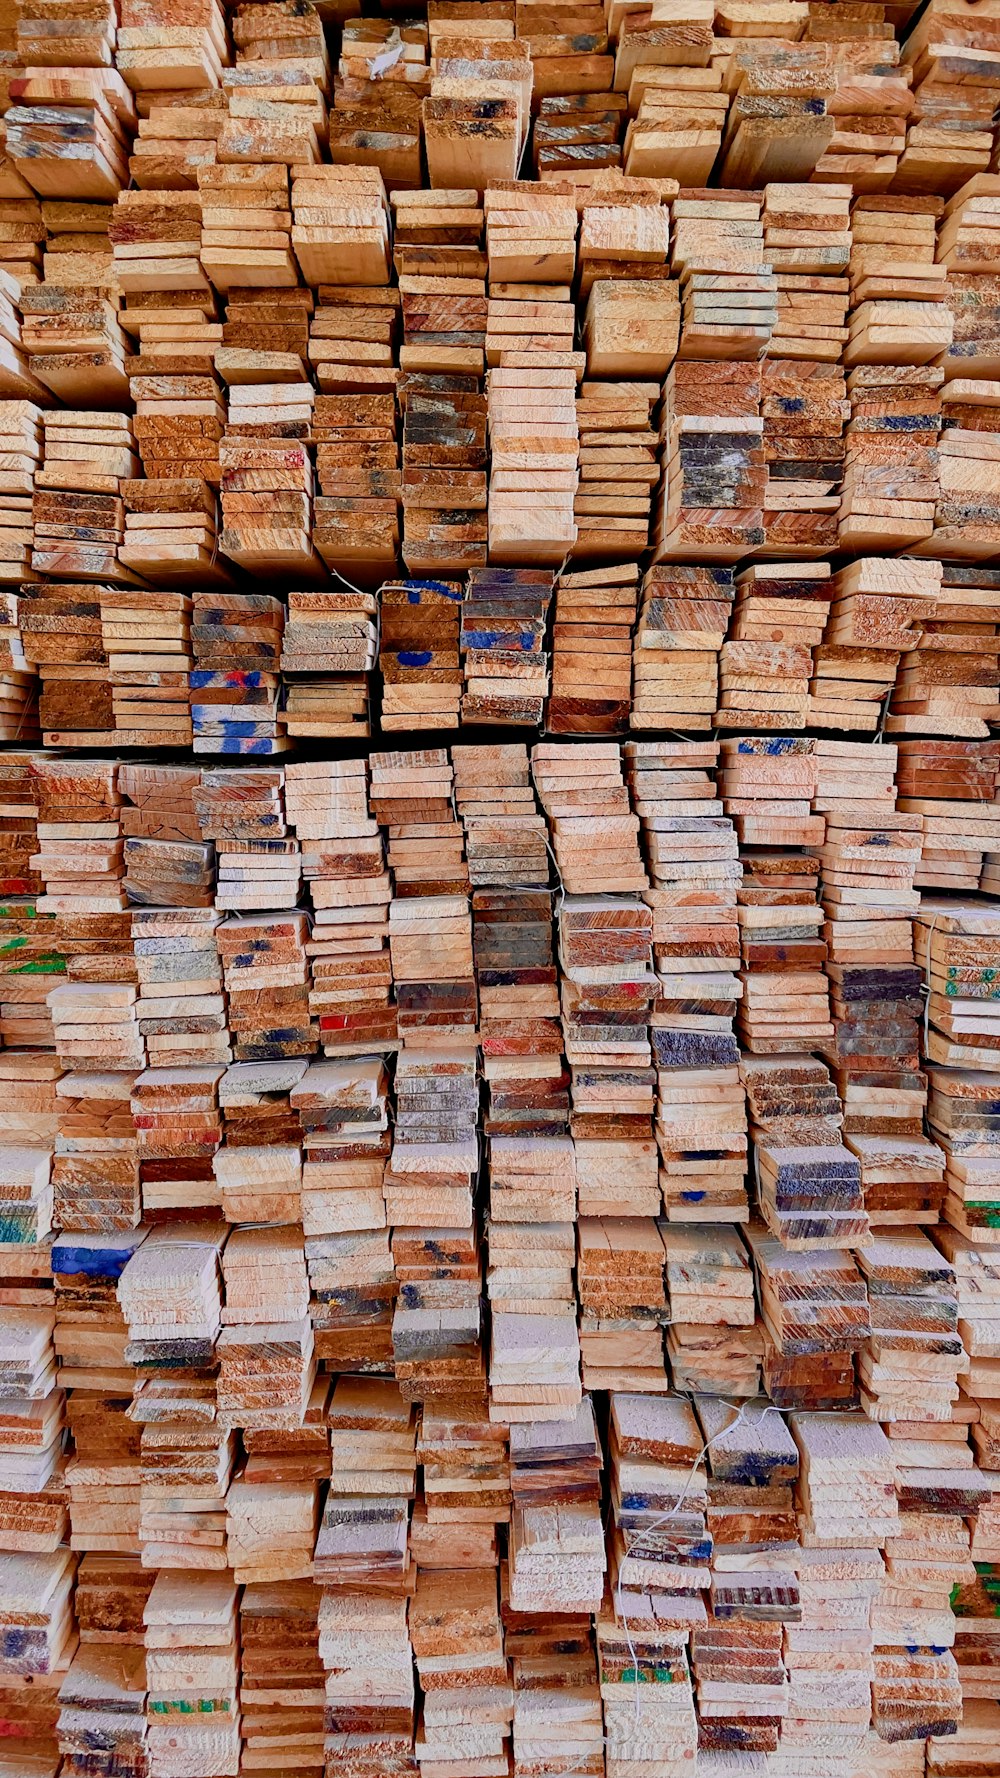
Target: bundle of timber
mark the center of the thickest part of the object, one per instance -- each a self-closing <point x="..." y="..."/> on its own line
<point x="592" y="651"/>
<point x="444" y="457"/>
<point x="171" y="535"/>
<point x="68" y="135"/>
<point x="503" y="634"/>
<point x="267" y="479"/>
<point x="235" y="685"/>
<point x="618" y="465"/>
<point x="730" y="291"/>
<point x="357" y="525"/>
<point x="77" y="511"/>
<point x="533" y="434"/>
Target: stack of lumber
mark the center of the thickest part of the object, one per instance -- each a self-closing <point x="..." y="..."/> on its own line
<point x="236" y="643"/>
<point x="17" y="380"/>
<point x="659" y="1563"/>
<point x="351" y="336"/>
<point x="684" y="613"/>
<point x="712" y="1341"/>
<point x="618" y="463"/>
<point x="950" y="129"/>
<point x="281" y="1712"/>
<point x="77" y="513"/>
<point x="828" y="1654"/>
<point x="180" y="415"/>
<point x="808" y="241"/>
<point x="412" y="796"/>
<point x="61" y="631"/>
<point x="341" y="1110"/>
<point x="625" y="234"/>
<point x="458" y="1649"/>
<point x="814" y="1309"/>
<point x="908" y="1369"/>
<point x="266" y="976"/>
<point x="242" y="813"/>
<point x="752" y="1458"/>
<point x="327" y="654"/>
<point x="258" y="1184"/>
<point x="779" y="615"/>
<point x="282" y="68"/>
<point x="502" y="639"/>
<point x="262" y="453"/>
<point x="730" y="293"/>
<point x="581" y="788"/>
<point x="951" y="786"/>
<point x="103" y="1682"/>
<point x="439" y="1356"/>
<point x="876" y="613"/>
<point x="804" y="408"/>
<point x="692" y="853"/>
<point x="438" y="234"/>
<point x="156" y="241"/>
<point x="18" y="684"/>
<point x="527" y="1101"/>
<point x="809" y="1183"/>
<point x="194" y="61"/>
<point x="186" y="1462"/>
<point x="594" y="615"/>
<point x="170" y="532"/>
<point x="428" y="1182"/>
<point x="419" y="657"/>
<point x="470" y="69"/>
<point x="572" y="59"/>
<point x="772" y="129"/>
<point x="892" y="462"/>
<point x="557" y="1701"/>
<point x="505" y="839"/>
<point x="445" y="524"/>
<point x="870" y="854"/>
<point x="75" y="343"/>
<point x="365" y="1647"/>
<point x="533" y="433"/>
<point x="623" y="1303"/>
<point x="957" y="1121"/>
<point x="344" y="860"/>
<point x="78" y="114"/>
<point x="96" y="1169"/>
<point x="377" y="122"/>
<point x="170" y="1294"/>
<point x="181" y="1009"/>
<point x="631" y="326"/>
<point x="949" y="684"/>
<point x="557" y="1559"/>
<point x="39" y="1601"/>
<point x="607" y="991"/>
<point x="177" y="1126"/>
<point x="192" y="1669"/>
<point x="955" y="943"/>
<point x="466" y="1488"/>
<point x="893" y="240"/>
<point x="714" y="469"/>
<point x="245" y="222"/>
<point x="21" y="438"/>
<point x="677" y="108"/>
<point x="356" y="512"/>
<point x="91" y="1333"/>
<point x="531" y="237"/>
<point x="146" y="638"/>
